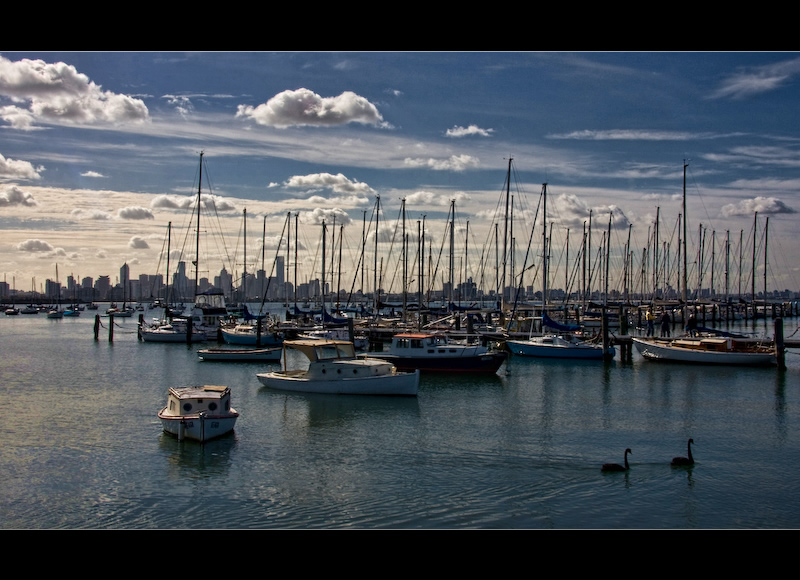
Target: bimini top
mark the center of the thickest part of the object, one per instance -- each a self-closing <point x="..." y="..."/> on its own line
<point x="323" y="349"/>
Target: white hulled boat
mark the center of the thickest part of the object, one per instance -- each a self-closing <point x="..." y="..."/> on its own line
<point x="562" y="344"/>
<point x="334" y="369"/>
<point x="241" y="354"/>
<point x="706" y="350"/>
<point x="198" y="412"/>
<point x="174" y="330"/>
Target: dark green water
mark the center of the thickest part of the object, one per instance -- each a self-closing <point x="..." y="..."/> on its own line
<point x="81" y="446"/>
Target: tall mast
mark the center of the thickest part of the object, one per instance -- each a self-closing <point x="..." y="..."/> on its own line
<point x="505" y="234"/>
<point x="197" y="237"/>
<point x="683" y="290"/>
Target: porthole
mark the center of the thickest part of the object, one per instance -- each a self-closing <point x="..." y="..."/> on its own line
<point x="339" y="371"/>
<point x="355" y="371"/>
<point x="187" y="407"/>
<point x="212" y="406"/>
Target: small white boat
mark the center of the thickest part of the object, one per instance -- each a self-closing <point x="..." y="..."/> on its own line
<point x="247" y="335"/>
<point x="558" y="346"/>
<point x="360" y="342"/>
<point x="706" y="350"/>
<point x="170" y="331"/>
<point x="241" y="354"/>
<point x="198" y="412"/>
<point x="334" y="369"/>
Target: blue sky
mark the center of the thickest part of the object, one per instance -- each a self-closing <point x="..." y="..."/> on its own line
<point x="99" y="152"/>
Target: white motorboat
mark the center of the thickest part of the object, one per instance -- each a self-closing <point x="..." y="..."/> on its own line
<point x="241" y="354"/>
<point x="334" y="369"/>
<point x="198" y="412"/>
<point x="437" y="352"/>
<point x="170" y="331"/>
<point x="706" y="350"/>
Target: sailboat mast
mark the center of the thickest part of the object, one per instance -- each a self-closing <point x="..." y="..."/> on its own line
<point x="505" y="234"/>
<point x="197" y="237"/>
<point x="683" y="290"/>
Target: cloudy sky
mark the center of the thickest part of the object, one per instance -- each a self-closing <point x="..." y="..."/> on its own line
<point x="99" y="152"/>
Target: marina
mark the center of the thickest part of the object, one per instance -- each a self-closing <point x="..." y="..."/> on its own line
<point x="519" y="449"/>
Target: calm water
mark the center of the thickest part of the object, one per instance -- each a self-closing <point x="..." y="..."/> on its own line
<point x="81" y="446"/>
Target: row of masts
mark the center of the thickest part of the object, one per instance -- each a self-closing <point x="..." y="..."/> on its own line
<point x="655" y="272"/>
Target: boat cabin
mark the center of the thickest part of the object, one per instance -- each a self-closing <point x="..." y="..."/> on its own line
<point x="431" y="343"/>
<point x="209" y="399"/>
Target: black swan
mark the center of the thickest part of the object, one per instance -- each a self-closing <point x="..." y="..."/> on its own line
<point x="617" y="466"/>
<point x="685" y="460"/>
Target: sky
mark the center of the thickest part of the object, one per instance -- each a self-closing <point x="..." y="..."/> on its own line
<point x="99" y="152"/>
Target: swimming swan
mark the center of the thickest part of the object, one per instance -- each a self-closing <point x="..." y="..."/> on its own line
<point x="685" y="460"/>
<point x="617" y="466"/>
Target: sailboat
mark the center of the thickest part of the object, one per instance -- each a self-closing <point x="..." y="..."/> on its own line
<point x="561" y="344"/>
<point x="56" y="312"/>
<point x="720" y="350"/>
<point x="172" y="328"/>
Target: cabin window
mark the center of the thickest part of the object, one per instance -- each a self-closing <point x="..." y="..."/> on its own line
<point x="212" y="406"/>
<point x="402" y="343"/>
<point x="187" y="407"/>
<point x="416" y="343"/>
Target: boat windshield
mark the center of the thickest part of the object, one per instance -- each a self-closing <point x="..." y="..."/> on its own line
<point x="333" y="351"/>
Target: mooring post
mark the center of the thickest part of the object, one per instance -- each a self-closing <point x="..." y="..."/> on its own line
<point x="110" y="328"/>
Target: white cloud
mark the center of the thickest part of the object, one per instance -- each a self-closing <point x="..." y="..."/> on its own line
<point x="755" y="80"/>
<point x="135" y="213"/>
<point x="14" y="169"/>
<point x="91" y="174"/>
<point x="453" y="163"/>
<point x="304" y="107"/>
<point x="762" y="205"/>
<point x="90" y="214"/>
<point x="466" y="131"/>
<point x="57" y="92"/>
<point x="186" y="202"/>
<point x="316" y="216"/>
<point x="338" y="183"/>
<point x="138" y="243"/>
<point x="15" y="196"/>
<point x="33" y="245"/>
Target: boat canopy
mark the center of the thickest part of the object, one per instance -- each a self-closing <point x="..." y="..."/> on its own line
<point x="317" y="350"/>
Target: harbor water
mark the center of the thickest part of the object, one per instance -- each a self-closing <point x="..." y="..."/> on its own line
<point x="81" y="446"/>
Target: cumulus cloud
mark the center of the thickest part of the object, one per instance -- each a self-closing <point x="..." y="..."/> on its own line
<point x="90" y="214"/>
<point x="15" y="196"/>
<point x="454" y="163"/>
<point x="571" y="212"/>
<point x="338" y="183"/>
<point x="14" y="169"/>
<point x="468" y="131"/>
<point x="138" y="243"/>
<point x="762" y="205"/>
<point x="57" y="92"/>
<point x="427" y="198"/>
<point x="207" y="201"/>
<point x="316" y="216"/>
<point x="34" y="245"/>
<point x="91" y="174"/>
<point x="135" y="213"/>
<point x="304" y="107"/>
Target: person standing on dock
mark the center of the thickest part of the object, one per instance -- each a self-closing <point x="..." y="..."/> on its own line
<point x="651" y="319"/>
<point x="691" y="325"/>
<point x="665" y="322"/>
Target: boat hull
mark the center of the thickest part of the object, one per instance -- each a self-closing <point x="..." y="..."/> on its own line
<point x="669" y="352"/>
<point x="224" y="354"/>
<point x="198" y="427"/>
<point x="172" y="337"/>
<point x="564" y="351"/>
<point x="399" y="384"/>
<point x="485" y="363"/>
